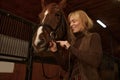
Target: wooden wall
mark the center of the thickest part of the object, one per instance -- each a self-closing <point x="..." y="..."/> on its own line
<point x="20" y="72"/>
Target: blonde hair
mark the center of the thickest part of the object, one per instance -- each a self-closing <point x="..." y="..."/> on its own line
<point x="86" y="20"/>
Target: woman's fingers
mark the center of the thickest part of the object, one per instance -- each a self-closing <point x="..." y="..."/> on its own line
<point x="53" y="46"/>
<point x="64" y="44"/>
<point x="58" y="41"/>
<point x="52" y="43"/>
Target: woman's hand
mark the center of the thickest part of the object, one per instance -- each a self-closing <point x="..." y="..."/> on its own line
<point x="53" y="46"/>
<point x="64" y="44"/>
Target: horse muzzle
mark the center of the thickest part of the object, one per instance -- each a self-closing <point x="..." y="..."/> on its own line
<point x="41" y="46"/>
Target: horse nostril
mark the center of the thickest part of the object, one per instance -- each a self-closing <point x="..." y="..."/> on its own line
<point x="42" y="41"/>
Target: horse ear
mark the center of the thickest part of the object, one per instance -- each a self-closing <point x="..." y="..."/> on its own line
<point x="62" y="4"/>
<point x="43" y="4"/>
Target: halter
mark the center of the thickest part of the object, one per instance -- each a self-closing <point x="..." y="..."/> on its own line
<point x="53" y="32"/>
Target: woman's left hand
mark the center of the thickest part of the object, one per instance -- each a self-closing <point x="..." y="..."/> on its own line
<point x="53" y="46"/>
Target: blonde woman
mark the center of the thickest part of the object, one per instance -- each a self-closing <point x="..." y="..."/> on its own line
<point x="87" y="49"/>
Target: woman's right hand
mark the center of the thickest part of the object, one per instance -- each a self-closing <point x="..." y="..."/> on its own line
<point x="53" y="46"/>
<point x="64" y="44"/>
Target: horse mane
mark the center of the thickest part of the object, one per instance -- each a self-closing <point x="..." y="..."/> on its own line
<point x="70" y="36"/>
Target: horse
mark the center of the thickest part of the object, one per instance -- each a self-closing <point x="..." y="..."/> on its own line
<point x="53" y="26"/>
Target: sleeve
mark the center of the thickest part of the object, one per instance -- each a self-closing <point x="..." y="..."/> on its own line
<point x="91" y="56"/>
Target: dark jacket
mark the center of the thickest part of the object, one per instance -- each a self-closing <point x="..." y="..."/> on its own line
<point x="87" y="50"/>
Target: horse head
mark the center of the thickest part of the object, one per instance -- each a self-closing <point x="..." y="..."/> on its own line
<point x="53" y="26"/>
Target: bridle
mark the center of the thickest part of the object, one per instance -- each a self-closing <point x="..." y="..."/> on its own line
<point x="53" y="32"/>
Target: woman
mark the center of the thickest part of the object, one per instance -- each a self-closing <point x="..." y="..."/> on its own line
<point x="87" y="49"/>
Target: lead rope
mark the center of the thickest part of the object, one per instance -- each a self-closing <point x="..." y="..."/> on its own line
<point x="69" y="67"/>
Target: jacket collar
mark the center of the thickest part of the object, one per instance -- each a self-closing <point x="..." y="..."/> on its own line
<point x="79" y="34"/>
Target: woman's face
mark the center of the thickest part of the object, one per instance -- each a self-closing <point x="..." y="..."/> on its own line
<point x="76" y="24"/>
